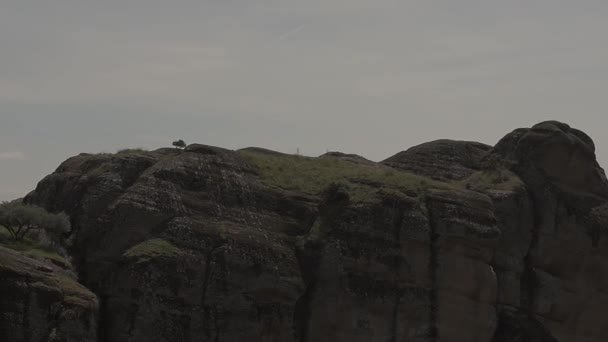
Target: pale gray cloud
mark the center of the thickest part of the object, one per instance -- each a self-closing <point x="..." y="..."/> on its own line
<point x="11" y="156"/>
<point x="365" y="76"/>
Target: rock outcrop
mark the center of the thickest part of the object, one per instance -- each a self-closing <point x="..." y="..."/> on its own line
<point x="42" y="302"/>
<point x="448" y="241"/>
<point x="441" y="159"/>
<point x="564" y="273"/>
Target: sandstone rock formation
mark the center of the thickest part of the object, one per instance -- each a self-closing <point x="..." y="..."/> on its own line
<point x="441" y="159"/>
<point x="42" y="302"/>
<point x="448" y="241"/>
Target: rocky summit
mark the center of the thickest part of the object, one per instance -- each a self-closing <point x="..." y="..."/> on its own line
<point x="449" y="241"/>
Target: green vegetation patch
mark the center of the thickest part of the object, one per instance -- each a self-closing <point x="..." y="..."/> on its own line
<point x="498" y="179"/>
<point x="153" y="248"/>
<point x="4" y="234"/>
<point x="48" y="254"/>
<point x="32" y="249"/>
<point x="74" y="292"/>
<point x="312" y="175"/>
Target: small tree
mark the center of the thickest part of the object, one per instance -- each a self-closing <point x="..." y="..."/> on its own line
<point x="20" y="219"/>
<point x="179" y="144"/>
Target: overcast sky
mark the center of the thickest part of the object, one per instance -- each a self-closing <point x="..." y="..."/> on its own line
<point x="368" y="77"/>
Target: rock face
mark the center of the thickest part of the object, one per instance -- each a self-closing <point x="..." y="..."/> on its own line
<point x="41" y="302"/>
<point x="441" y="159"/>
<point x="209" y="244"/>
<point x="564" y="273"/>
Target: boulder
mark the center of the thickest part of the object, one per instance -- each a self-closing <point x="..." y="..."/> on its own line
<point x="441" y="159"/>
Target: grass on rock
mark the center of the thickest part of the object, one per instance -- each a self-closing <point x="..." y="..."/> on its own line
<point x="32" y="249"/>
<point x="153" y="248"/>
<point x="498" y="179"/>
<point x="312" y="175"/>
<point x="74" y="293"/>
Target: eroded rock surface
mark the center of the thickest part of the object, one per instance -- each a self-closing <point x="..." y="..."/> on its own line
<point x="563" y="282"/>
<point x="41" y="302"/>
<point x="208" y="244"/>
<point x="441" y="159"/>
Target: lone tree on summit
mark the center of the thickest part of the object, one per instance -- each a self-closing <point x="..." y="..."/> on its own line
<point x="19" y="219"/>
<point x="179" y="144"/>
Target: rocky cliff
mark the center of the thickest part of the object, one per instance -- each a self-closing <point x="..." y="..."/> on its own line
<point x="448" y="241"/>
<point x="40" y="301"/>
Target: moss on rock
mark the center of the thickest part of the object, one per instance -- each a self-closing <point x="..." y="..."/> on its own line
<point x="33" y="249"/>
<point x="498" y="179"/>
<point x="153" y="248"/>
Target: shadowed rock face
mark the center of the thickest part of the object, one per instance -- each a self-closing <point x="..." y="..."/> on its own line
<point x="197" y="245"/>
<point x="41" y="302"/>
<point x="553" y="152"/>
<point x="563" y="282"/>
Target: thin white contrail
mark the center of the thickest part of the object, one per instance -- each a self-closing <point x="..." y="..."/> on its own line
<point x="292" y="32"/>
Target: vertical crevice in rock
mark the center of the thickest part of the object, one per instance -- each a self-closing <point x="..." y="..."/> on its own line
<point x="397" y="220"/>
<point x="132" y="316"/>
<point x="102" y="328"/>
<point x="528" y="279"/>
<point x="433" y="269"/>
<point x="309" y="255"/>
<point x="395" y="318"/>
<point x="206" y="279"/>
<point x="302" y="314"/>
<point x="528" y="287"/>
<point x="309" y="252"/>
<point x="208" y="272"/>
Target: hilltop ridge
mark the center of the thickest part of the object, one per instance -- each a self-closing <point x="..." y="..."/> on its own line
<point x="450" y="241"/>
